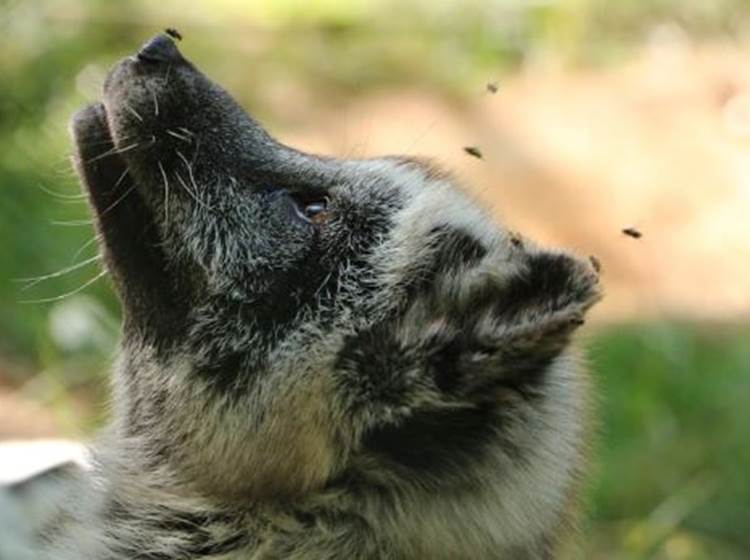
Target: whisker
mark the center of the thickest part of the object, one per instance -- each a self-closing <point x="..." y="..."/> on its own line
<point x="197" y="148"/>
<point x="83" y="247"/>
<point x="166" y="193"/>
<point x="424" y="133"/>
<point x="120" y="179"/>
<point x="156" y="103"/>
<point x="191" y="177"/>
<point x="133" y="112"/>
<point x="62" y="196"/>
<point x="191" y="193"/>
<point x="81" y="201"/>
<point x="128" y="148"/>
<point x="33" y="281"/>
<point x="180" y="136"/>
<point x="67" y="294"/>
<point x="166" y="75"/>
<point x="108" y="153"/>
<point x="118" y="201"/>
<point x="84" y="140"/>
<point x="113" y="151"/>
<point x="71" y="223"/>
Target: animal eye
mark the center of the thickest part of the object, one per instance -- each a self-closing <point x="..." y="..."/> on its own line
<point x="314" y="211"/>
<point x="316" y="208"/>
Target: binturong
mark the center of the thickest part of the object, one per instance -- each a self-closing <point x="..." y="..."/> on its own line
<point x="321" y="358"/>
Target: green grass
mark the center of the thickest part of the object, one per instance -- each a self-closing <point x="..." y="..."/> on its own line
<point x="674" y="459"/>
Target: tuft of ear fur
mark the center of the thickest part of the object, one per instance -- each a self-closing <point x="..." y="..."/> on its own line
<point x="478" y="325"/>
<point x="506" y="331"/>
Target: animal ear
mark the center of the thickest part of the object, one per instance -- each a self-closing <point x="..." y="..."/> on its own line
<point x="477" y="324"/>
<point x="506" y="328"/>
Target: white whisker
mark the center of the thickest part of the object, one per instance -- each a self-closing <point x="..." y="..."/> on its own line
<point x="197" y="148"/>
<point x="33" y="281"/>
<point x="166" y="75"/>
<point x="71" y="223"/>
<point x="83" y="247"/>
<point x="113" y="151"/>
<point x="84" y="140"/>
<point x="166" y="193"/>
<point x="118" y="201"/>
<point x="67" y="294"/>
<point x="133" y="112"/>
<point x="196" y="190"/>
<point x="190" y="192"/>
<point x="63" y="196"/>
<point x="180" y="136"/>
<point x="120" y="179"/>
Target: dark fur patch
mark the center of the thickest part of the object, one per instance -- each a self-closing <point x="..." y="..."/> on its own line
<point x="222" y="371"/>
<point x="551" y="282"/>
<point x="437" y="442"/>
<point x="448" y="248"/>
<point x="372" y="367"/>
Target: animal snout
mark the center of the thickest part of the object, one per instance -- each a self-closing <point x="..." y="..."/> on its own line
<point x="159" y="49"/>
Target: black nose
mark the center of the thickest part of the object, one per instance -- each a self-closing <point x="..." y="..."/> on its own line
<point x="160" y="48"/>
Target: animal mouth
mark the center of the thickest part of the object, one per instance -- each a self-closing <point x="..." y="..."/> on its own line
<point x="130" y="239"/>
<point x="114" y="137"/>
<point x="139" y="157"/>
<point x="125" y="218"/>
<point x="103" y="169"/>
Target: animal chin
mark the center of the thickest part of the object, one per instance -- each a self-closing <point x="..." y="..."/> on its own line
<point x="97" y="160"/>
<point x="129" y="237"/>
<point x="104" y="172"/>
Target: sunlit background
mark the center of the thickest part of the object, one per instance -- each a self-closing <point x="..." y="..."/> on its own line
<point x="607" y="114"/>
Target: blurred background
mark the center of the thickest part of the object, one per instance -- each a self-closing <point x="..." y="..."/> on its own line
<point x="591" y="116"/>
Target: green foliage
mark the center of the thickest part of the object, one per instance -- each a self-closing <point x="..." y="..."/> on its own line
<point x="674" y="446"/>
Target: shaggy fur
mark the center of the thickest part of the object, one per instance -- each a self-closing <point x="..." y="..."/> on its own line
<point x="321" y="358"/>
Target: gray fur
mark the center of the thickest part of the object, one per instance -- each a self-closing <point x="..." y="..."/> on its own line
<point x="394" y="381"/>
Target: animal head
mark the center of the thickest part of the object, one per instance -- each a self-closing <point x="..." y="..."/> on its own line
<point x="282" y="309"/>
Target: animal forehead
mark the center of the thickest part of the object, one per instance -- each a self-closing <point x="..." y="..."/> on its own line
<point x="410" y="177"/>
